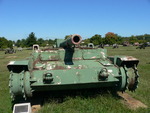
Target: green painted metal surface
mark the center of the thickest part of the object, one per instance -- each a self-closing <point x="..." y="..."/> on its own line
<point x="70" y="66"/>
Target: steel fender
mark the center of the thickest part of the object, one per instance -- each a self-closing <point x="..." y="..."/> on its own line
<point x="129" y="61"/>
<point x="18" y="66"/>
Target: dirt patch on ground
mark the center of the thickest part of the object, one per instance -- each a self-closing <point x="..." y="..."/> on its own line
<point x="11" y="57"/>
<point x="131" y="102"/>
<point x="35" y="108"/>
<point x="36" y="104"/>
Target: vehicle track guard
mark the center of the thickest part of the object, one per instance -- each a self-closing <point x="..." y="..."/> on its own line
<point x="129" y="61"/>
<point x="18" y="66"/>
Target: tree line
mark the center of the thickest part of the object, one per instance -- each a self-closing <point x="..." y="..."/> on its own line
<point x="32" y="39"/>
<point x="112" y="38"/>
<point x="109" y="38"/>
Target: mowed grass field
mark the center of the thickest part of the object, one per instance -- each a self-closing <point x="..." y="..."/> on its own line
<point x="101" y="102"/>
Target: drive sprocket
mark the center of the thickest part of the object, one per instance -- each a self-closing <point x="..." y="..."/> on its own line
<point x="132" y="77"/>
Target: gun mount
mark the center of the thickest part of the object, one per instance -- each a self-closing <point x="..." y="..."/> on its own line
<point x="69" y="42"/>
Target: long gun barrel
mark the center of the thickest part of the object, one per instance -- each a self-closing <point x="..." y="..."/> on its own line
<point x="73" y="40"/>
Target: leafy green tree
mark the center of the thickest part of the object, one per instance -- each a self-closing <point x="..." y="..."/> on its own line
<point x="3" y="42"/>
<point x="86" y="41"/>
<point x="133" y="39"/>
<point x="119" y="39"/>
<point x="10" y="44"/>
<point x="146" y="37"/>
<point x="103" y="41"/>
<point x="111" y="38"/>
<point x="31" y="40"/>
<point x="67" y="36"/>
<point x="96" y="39"/>
<point x="23" y="43"/>
<point x="18" y="43"/>
<point x="51" y="42"/>
<point x="41" y="42"/>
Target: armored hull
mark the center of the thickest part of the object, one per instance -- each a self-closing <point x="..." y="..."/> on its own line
<point x="70" y="66"/>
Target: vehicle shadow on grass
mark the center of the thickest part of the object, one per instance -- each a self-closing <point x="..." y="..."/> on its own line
<point x="61" y="96"/>
<point x="41" y="98"/>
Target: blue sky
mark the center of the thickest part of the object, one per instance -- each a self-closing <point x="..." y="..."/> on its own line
<point x="58" y="18"/>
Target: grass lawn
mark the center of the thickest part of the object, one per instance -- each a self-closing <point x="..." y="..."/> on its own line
<point x="102" y="102"/>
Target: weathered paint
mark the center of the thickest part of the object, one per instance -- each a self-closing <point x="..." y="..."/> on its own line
<point x="70" y="68"/>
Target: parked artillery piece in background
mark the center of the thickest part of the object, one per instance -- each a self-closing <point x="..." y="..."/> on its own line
<point x="19" y="49"/>
<point x="101" y="45"/>
<point x="10" y="51"/>
<point x="115" y="46"/>
<point x="71" y="67"/>
<point x="142" y="46"/>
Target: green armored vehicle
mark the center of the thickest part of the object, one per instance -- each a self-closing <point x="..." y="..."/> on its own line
<point x="70" y="67"/>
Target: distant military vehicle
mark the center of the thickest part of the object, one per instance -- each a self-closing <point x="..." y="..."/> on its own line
<point x="101" y="46"/>
<point x="125" y="43"/>
<point x="10" y="51"/>
<point x="142" y="46"/>
<point x="19" y="49"/>
<point x="115" y="46"/>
